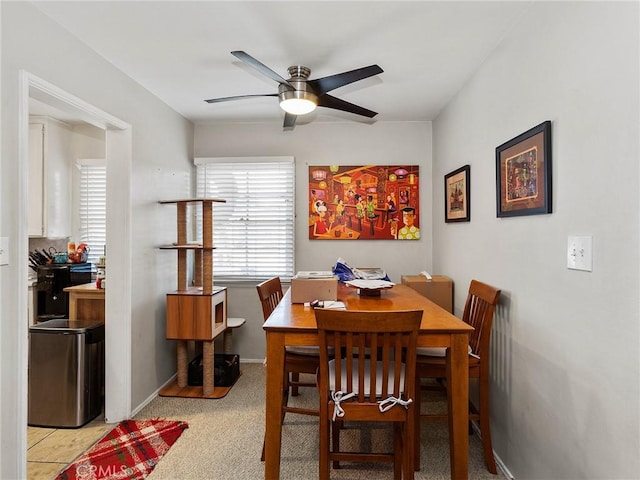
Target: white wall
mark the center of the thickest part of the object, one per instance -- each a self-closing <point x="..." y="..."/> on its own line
<point x="87" y="141"/>
<point x="349" y="143"/>
<point x="162" y="168"/>
<point x="565" y="392"/>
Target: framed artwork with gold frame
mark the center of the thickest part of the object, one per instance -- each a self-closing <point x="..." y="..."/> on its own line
<point x="364" y="202"/>
<point x="457" y="194"/>
<point x="523" y="173"/>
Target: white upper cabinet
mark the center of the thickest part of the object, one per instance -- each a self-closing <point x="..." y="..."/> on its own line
<point x="50" y="212"/>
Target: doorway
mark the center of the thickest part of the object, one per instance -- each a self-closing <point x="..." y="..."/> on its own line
<point x="118" y="147"/>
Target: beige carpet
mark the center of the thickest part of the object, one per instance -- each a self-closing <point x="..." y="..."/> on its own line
<point x="224" y="439"/>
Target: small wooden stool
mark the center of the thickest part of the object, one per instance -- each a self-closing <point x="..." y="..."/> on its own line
<point x="349" y="219"/>
<point x="372" y="224"/>
<point x="227" y="338"/>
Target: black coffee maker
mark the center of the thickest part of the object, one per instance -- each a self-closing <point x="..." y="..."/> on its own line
<point x="53" y="301"/>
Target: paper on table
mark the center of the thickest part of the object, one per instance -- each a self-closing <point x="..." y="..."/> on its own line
<point x="334" y="305"/>
<point x="370" y="284"/>
<point x="315" y="274"/>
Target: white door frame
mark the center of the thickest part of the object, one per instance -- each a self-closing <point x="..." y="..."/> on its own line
<point x="118" y="140"/>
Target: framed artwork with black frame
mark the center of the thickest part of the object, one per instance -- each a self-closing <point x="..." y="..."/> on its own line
<point x="457" y="193"/>
<point x="523" y="173"/>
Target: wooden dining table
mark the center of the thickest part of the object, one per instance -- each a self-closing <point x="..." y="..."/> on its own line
<point x="295" y="324"/>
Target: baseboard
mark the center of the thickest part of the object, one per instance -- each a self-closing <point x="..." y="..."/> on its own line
<point x="251" y="360"/>
<point x="499" y="463"/>
<point x="151" y="397"/>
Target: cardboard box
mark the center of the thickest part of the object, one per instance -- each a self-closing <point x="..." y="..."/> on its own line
<point x="439" y="289"/>
<point x="308" y="289"/>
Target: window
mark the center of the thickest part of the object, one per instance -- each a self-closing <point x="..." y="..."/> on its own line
<point x="253" y="232"/>
<point x="93" y="206"/>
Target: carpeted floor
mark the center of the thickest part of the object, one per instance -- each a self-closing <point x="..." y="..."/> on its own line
<point x="224" y="440"/>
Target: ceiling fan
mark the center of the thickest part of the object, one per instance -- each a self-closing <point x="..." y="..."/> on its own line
<point x="298" y="95"/>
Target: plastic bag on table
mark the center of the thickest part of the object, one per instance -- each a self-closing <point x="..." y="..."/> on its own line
<point x="343" y="271"/>
<point x="346" y="273"/>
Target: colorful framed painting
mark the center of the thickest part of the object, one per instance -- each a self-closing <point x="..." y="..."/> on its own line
<point x="457" y="189"/>
<point x="523" y="173"/>
<point x="368" y="202"/>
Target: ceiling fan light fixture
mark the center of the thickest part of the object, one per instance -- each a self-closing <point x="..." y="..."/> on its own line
<point x="298" y="95"/>
<point x="298" y="102"/>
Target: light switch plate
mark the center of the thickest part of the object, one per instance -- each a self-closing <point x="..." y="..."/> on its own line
<point x="4" y="251"/>
<point x="580" y="253"/>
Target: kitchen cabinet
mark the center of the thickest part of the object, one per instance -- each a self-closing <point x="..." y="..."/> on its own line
<point x="49" y="178"/>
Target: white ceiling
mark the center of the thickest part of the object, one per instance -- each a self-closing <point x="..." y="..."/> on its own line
<point x="180" y="51"/>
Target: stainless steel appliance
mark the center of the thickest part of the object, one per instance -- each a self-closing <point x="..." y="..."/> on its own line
<point x="52" y="301"/>
<point x="66" y="373"/>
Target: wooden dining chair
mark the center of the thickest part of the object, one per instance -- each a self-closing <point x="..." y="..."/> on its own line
<point x="372" y="381"/>
<point x="297" y="360"/>
<point x="432" y="363"/>
<point x="270" y="294"/>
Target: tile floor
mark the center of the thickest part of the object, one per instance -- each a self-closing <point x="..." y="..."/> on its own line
<point x="49" y="450"/>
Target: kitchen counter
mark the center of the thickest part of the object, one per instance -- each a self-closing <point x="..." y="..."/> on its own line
<point x="86" y="302"/>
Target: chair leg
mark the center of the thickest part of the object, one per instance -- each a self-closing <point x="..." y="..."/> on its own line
<point x="416" y="444"/>
<point x="295" y="378"/>
<point x="408" y="443"/>
<point x="285" y="393"/>
<point x="485" y="427"/>
<point x="285" y="402"/>
<point x="398" y="452"/>
<point x="335" y="440"/>
<point x="408" y="468"/>
<point x="323" y="467"/>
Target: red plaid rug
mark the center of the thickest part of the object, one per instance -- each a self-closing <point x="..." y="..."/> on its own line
<point x="129" y="451"/>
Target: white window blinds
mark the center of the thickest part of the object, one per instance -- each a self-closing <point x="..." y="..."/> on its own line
<point x="253" y="233"/>
<point x="93" y="206"/>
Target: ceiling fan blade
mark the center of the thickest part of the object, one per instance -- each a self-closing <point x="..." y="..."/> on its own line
<point x="261" y="67"/>
<point x="239" y="97"/>
<point x="326" y="84"/>
<point x="289" y="120"/>
<point x="337" y="104"/>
